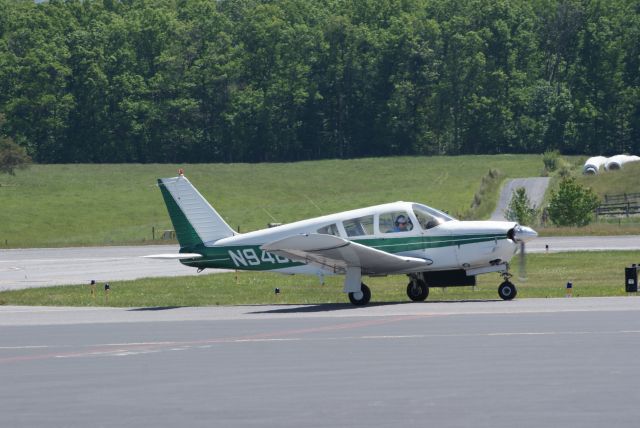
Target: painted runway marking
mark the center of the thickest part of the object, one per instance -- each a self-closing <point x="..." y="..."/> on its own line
<point x="141" y="348"/>
<point x="95" y="259"/>
<point x="25" y="347"/>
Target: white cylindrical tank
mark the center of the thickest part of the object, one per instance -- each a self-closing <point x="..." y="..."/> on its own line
<point x="616" y="162"/>
<point x="593" y="165"/>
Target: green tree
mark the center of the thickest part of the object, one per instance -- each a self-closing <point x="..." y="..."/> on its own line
<point x="12" y="156"/>
<point x="520" y="208"/>
<point x="572" y="204"/>
<point x="285" y="80"/>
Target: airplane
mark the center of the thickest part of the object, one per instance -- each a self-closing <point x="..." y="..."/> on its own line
<point x="429" y="246"/>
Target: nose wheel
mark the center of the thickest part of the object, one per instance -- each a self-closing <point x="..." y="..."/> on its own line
<point x="506" y="290"/>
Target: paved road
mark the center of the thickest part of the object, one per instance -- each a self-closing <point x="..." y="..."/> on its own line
<point x="44" y="267"/>
<point x="525" y="363"/>
<point x="585" y="243"/>
<point x="535" y="187"/>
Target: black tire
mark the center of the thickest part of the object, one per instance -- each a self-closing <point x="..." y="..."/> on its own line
<point x="417" y="290"/>
<point x="366" y="296"/>
<point x="507" y="291"/>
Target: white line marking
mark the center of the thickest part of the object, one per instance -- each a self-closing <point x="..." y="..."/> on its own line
<point x="24" y="347"/>
<point x="62" y="259"/>
<point x="122" y="350"/>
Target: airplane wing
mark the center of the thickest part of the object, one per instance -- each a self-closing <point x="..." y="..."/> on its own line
<point x="337" y="254"/>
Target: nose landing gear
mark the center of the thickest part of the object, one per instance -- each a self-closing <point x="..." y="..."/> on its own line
<point x="506" y="290"/>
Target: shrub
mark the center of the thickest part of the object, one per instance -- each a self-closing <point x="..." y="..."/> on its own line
<point x="573" y="204"/>
<point x="520" y="208"/>
<point x="12" y="156"/>
<point x="551" y="159"/>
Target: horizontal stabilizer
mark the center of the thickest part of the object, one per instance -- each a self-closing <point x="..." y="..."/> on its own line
<point x="337" y="254"/>
<point x="174" y="256"/>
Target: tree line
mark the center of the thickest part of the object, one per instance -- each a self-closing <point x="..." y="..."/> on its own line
<point x="287" y="80"/>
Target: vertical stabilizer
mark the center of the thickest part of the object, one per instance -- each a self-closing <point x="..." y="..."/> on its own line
<point x="194" y="219"/>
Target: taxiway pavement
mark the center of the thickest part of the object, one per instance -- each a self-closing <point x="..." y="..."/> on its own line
<point x="43" y="267"/>
<point x="40" y="267"/>
<point x="526" y="363"/>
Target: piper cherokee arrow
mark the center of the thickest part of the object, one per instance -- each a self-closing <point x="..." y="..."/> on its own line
<point x="429" y="246"/>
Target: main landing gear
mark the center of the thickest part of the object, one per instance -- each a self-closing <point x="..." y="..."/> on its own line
<point x="362" y="297"/>
<point x="417" y="289"/>
<point x="507" y="290"/>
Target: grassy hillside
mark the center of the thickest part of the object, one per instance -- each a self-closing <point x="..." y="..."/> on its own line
<point x="592" y="274"/>
<point x="63" y="205"/>
<point x="626" y="180"/>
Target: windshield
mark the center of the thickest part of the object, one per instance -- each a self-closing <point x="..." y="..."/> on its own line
<point x="429" y="217"/>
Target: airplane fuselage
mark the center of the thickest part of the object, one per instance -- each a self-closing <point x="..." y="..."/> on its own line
<point x="451" y="244"/>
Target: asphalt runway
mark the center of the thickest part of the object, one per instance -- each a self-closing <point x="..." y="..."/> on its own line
<point x="525" y="363"/>
<point x="41" y="267"/>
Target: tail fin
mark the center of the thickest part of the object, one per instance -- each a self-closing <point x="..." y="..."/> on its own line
<point x="194" y="219"/>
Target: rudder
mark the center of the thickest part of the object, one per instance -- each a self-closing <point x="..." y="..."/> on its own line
<point x="194" y="219"/>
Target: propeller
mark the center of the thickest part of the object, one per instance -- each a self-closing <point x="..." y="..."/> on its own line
<point x="523" y="234"/>
<point x="522" y="268"/>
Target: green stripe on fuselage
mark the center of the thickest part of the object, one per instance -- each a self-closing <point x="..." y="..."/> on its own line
<point x="398" y="245"/>
<point x="251" y="257"/>
<point x="244" y="257"/>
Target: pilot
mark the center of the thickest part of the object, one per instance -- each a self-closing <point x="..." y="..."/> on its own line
<point x="402" y="224"/>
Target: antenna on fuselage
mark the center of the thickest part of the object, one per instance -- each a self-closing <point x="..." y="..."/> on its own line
<point x="269" y="214"/>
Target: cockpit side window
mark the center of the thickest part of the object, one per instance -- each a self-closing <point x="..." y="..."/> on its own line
<point x="331" y="229"/>
<point x="359" y="226"/>
<point x="394" y="222"/>
<point x="429" y="217"/>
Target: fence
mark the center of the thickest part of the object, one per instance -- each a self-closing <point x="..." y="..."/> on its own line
<point x="622" y="197"/>
<point x="624" y="204"/>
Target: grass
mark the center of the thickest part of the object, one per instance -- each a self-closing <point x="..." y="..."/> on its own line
<point x="74" y="205"/>
<point x="604" y="183"/>
<point x="592" y="274"/>
<point x="626" y="180"/>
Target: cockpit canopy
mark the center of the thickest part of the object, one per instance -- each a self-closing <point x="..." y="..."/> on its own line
<point x="397" y="220"/>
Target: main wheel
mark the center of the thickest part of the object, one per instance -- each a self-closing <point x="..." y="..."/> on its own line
<point x="417" y="290"/>
<point x="362" y="297"/>
<point x="507" y="290"/>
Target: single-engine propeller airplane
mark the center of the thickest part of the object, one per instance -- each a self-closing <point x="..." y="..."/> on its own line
<point x="432" y="248"/>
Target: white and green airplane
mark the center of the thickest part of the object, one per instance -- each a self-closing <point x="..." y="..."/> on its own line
<point x="432" y="248"/>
